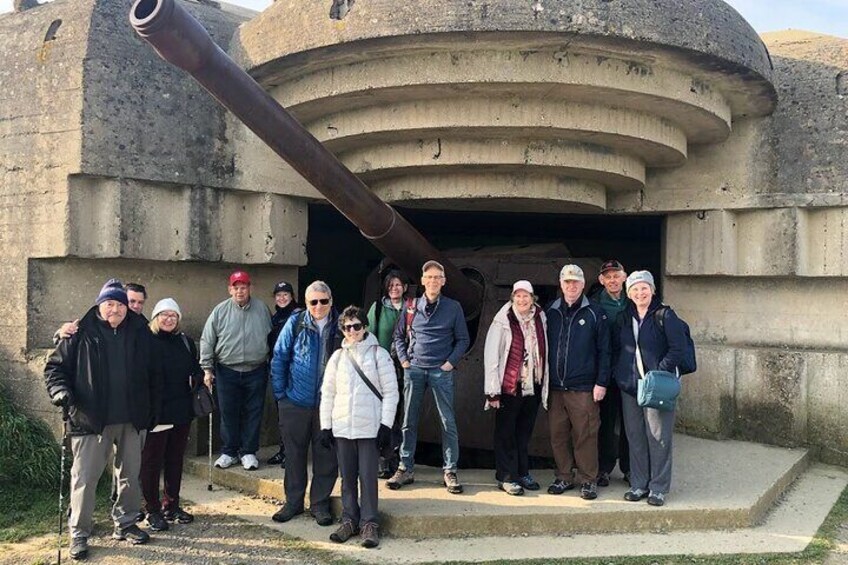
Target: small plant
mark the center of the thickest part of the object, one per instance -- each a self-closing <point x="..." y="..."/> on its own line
<point x="29" y="454"/>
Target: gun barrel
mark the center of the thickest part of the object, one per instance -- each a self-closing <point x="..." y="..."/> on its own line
<point x="182" y="41"/>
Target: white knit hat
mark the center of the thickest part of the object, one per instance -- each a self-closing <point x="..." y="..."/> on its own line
<point x="166" y="304"/>
<point x="641" y="277"/>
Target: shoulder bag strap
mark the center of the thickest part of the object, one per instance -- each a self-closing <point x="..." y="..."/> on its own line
<point x="639" y="365"/>
<point x="361" y="374"/>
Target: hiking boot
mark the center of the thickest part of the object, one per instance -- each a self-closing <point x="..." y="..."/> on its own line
<point x="528" y="482"/>
<point x="346" y="531"/>
<point x="588" y="491"/>
<point x="452" y="483"/>
<point x="156" y="522"/>
<point x="226" y="461"/>
<point x="635" y="494"/>
<point x="400" y="478"/>
<point x="559" y="486"/>
<point x="512" y="488"/>
<point x="178" y="515"/>
<point x="79" y="548"/>
<point x="322" y="517"/>
<point x="249" y="462"/>
<point x="603" y="479"/>
<point x="132" y="534"/>
<point x="286" y="513"/>
<point x="370" y="536"/>
<point x="278" y="459"/>
<point x="656" y="498"/>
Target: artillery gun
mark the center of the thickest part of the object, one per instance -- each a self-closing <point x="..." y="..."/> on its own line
<point x="479" y="279"/>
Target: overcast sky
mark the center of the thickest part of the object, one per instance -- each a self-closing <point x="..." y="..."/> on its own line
<point x="825" y="16"/>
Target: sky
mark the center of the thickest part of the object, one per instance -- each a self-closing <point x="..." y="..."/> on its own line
<point x="824" y="16"/>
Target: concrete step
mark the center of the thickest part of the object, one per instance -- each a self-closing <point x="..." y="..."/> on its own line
<point x="717" y="485"/>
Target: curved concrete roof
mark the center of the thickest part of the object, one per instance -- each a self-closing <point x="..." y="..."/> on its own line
<point x="707" y="33"/>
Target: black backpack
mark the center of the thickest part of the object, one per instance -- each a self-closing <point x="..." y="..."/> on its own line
<point x="690" y="363"/>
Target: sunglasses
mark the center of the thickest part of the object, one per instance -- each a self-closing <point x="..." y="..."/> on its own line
<point x="321" y="301"/>
<point x="352" y="327"/>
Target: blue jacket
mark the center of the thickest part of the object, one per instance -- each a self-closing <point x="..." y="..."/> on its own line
<point x="662" y="347"/>
<point x="585" y="347"/>
<point x="296" y="370"/>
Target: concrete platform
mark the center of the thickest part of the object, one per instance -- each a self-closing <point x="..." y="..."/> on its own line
<point x="717" y="485"/>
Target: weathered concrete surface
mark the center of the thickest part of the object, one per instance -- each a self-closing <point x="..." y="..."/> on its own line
<point x="705" y="495"/>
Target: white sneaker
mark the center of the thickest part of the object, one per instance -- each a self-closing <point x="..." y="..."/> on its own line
<point x="225" y="461"/>
<point x="249" y="462"/>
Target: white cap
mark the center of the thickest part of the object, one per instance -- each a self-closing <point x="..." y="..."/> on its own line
<point x="522" y="285"/>
<point x="572" y="273"/>
<point x="166" y="304"/>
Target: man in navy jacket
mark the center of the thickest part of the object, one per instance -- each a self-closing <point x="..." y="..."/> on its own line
<point x="579" y="367"/>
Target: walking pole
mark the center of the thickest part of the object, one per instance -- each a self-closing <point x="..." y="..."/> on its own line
<point x="62" y="481"/>
<point x="209" y="454"/>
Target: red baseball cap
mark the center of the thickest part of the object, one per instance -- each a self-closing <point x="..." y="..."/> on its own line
<point x="239" y="277"/>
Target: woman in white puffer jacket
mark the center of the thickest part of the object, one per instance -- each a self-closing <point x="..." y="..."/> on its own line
<point x="357" y="412"/>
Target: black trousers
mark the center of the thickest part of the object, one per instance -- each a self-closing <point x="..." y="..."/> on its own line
<point x="612" y="447"/>
<point x="514" y="422"/>
<point x="299" y="428"/>
<point x="358" y="466"/>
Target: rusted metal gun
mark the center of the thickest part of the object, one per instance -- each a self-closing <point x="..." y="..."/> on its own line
<point x="182" y="41"/>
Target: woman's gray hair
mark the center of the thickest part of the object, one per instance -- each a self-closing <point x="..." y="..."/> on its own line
<point x="318" y="286"/>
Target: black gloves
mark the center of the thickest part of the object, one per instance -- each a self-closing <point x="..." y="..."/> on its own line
<point x="326" y="438"/>
<point x="62" y="398"/>
<point x="384" y="437"/>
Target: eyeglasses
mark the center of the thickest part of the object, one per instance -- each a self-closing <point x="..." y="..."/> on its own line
<point x="168" y="316"/>
<point x="321" y="301"/>
<point x="432" y="277"/>
<point x="352" y="327"/>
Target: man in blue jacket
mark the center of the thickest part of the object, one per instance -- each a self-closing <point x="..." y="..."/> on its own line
<point x="430" y="340"/>
<point x="579" y="371"/>
<point x="297" y="369"/>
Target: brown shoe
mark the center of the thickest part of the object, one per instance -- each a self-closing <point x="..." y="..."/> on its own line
<point x="452" y="483"/>
<point x="370" y="536"/>
<point x="346" y="531"/>
<point x="400" y="478"/>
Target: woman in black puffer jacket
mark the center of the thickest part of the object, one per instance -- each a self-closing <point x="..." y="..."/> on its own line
<point x="164" y="449"/>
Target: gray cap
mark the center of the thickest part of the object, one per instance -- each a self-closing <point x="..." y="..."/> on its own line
<point x="572" y="273"/>
<point x="641" y="277"/>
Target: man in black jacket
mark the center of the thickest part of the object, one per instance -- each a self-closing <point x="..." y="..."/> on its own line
<point x="579" y="371"/>
<point x="109" y="382"/>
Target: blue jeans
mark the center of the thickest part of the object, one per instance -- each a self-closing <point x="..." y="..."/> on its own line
<point x="241" y="397"/>
<point x="415" y="383"/>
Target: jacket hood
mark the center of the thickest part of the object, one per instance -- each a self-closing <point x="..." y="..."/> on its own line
<point x="332" y="318"/>
<point x="558" y="302"/>
<point x="90" y="320"/>
<point x="656" y="302"/>
<point x="501" y="316"/>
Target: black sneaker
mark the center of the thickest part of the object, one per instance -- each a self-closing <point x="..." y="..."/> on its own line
<point x="559" y="486"/>
<point x="656" y="498"/>
<point x="156" y="522"/>
<point x="278" y="459"/>
<point x="588" y="491"/>
<point x="79" y="549"/>
<point x="132" y="534"/>
<point x="322" y="517"/>
<point x="286" y="513"/>
<point x="529" y="483"/>
<point x="635" y="494"/>
<point x="603" y="479"/>
<point x="452" y="483"/>
<point x="178" y="515"/>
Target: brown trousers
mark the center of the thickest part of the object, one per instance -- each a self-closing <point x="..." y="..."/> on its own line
<point x="574" y="420"/>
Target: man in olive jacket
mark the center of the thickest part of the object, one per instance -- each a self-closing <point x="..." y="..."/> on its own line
<point x="109" y="383"/>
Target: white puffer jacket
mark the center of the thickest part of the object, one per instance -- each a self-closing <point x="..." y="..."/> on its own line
<point x="348" y="406"/>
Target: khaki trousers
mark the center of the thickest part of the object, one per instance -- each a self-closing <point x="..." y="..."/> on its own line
<point x="574" y="420"/>
<point x="91" y="453"/>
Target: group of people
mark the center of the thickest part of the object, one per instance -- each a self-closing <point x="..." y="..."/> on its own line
<point x="581" y="358"/>
<point x="349" y="388"/>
